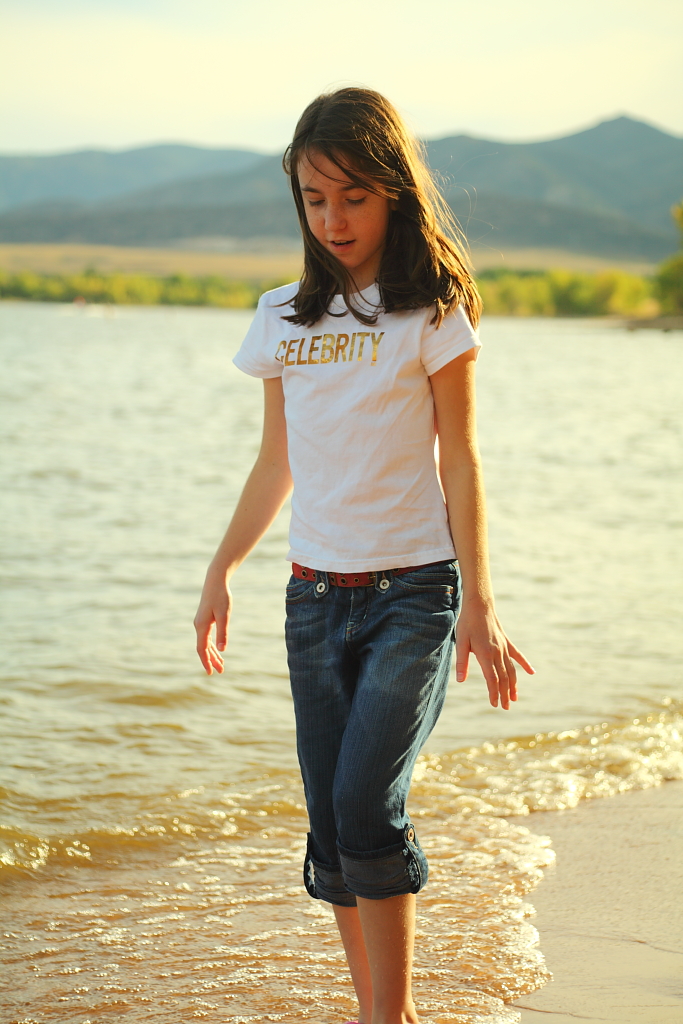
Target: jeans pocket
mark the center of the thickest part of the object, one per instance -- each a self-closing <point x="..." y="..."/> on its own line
<point x="440" y="576"/>
<point x="298" y="589"/>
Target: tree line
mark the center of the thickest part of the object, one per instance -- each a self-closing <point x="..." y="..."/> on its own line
<point x="504" y="292"/>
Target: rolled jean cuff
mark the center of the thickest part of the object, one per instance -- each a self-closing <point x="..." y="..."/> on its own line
<point x="392" y="871"/>
<point x="326" y="883"/>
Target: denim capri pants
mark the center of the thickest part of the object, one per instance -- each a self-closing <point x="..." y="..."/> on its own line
<point x="369" y="667"/>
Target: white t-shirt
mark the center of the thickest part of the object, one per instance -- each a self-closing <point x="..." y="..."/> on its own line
<point x="360" y="429"/>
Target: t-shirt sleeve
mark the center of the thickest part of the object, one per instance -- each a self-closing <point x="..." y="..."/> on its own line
<point x="442" y="344"/>
<point x="256" y="355"/>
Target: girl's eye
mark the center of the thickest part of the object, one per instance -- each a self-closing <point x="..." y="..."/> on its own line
<point x="315" y="202"/>
<point x="357" y="202"/>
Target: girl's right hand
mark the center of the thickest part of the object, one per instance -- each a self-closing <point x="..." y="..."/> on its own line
<point x="264" y="494"/>
<point x="214" y="610"/>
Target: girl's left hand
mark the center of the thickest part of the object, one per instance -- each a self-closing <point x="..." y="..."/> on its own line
<point x="479" y="632"/>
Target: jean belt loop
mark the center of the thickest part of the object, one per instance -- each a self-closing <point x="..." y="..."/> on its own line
<point x="323" y="584"/>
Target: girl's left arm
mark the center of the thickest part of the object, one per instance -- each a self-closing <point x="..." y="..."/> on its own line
<point x="478" y="631"/>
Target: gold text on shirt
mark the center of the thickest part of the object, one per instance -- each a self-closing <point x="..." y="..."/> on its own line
<point x="308" y="352"/>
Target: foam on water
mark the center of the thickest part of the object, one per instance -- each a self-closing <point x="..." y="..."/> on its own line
<point x="220" y="926"/>
<point x="554" y="771"/>
<point x="198" y="907"/>
<point x="551" y="771"/>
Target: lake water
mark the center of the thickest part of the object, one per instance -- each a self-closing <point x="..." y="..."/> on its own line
<point x="152" y="821"/>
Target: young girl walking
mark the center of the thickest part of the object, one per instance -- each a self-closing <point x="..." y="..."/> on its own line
<point x="365" y="362"/>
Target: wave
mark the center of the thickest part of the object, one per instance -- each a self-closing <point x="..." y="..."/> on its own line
<point x="556" y="770"/>
<point x="214" y="879"/>
<point x="517" y="776"/>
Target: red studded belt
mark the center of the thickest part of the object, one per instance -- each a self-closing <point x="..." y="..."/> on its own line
<point x="350" y="579"/>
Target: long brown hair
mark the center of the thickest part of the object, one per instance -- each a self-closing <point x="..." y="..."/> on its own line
<point x="424" y="262"/>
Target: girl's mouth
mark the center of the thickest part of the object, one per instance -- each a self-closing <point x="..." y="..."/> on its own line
<point x="342" y="245"/>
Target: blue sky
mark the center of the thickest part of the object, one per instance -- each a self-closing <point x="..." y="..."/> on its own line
<point x="77" y="73"/>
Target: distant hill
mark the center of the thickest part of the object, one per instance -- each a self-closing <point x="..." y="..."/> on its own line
<point x="620" y="165"/>
<point x="605" y="191"/>
<point x="500" y="222"/>
<point x="148" y="226"/>
<point x="96" y="174"/>
<point x="495" y="222"/>
<point x="262" y="181"/>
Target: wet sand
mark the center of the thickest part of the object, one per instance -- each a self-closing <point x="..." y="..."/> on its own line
<point x="610" y="912"/>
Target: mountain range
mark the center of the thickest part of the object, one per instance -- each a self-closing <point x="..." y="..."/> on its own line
<point x="606" y="191"/>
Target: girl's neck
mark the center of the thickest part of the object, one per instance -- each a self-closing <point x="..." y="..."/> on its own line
<point x="361" y="282"/>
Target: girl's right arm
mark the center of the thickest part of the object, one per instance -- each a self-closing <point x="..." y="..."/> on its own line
<point x="265" y="492"/>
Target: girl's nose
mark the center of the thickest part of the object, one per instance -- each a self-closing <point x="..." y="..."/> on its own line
<point x="335" y="219"/>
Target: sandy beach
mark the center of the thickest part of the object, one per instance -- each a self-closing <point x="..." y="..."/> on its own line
<point x="610" y="913"/>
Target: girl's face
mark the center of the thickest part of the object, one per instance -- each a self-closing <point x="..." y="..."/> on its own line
<point x="347" y="220"/>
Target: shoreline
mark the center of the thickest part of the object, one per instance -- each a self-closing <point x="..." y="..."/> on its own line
<point x="610" y="928"/>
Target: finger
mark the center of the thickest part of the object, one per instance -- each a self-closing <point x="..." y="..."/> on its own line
<point x="222" y="630"/>
<point x="503" y="682"/>
<point x="512" y="676"/>
<point x="521" y="660"/>
<point x="215" y="658"/>
<point x="203" y="628"/>
<point x="462" y="658"/>
<point x="491" y="677"/>
<point x="203" y="653"/>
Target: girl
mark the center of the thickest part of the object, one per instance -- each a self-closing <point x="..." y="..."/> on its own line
<point x="365" y="361"/>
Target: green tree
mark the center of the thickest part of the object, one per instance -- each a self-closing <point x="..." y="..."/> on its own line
<point x="677" y="214"/>
<point x="669" y="280"/>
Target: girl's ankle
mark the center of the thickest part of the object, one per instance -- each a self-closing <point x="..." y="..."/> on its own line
<point x="407" y="1016"/>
